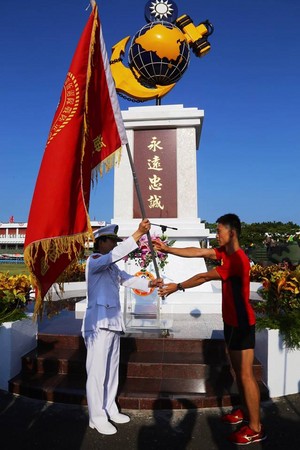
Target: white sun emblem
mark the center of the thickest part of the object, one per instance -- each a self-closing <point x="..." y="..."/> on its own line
<point x="161" y="9"/>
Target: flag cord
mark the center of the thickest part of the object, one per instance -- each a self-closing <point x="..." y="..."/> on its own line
<point x="142" y="208"/>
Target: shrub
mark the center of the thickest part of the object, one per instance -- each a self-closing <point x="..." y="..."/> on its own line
<point x="14" y="296"/>
<point x="280" y="304"/>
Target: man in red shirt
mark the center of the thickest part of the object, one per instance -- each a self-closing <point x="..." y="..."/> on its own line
<point x="238" y="317"/>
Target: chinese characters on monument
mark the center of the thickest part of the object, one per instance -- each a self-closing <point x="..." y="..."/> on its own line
<point x="155" y="161"/>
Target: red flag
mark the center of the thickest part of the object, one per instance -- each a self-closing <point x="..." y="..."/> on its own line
<point x="87" y="132"/>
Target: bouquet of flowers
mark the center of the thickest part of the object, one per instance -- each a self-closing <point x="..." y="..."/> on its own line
<point x="142" y="255"/>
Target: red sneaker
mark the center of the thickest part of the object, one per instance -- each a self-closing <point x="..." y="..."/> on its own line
<point x="245" y="436"/>
<point x="236" y="416"/>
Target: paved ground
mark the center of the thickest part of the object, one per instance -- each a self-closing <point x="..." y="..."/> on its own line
<point x="27" y="424"/>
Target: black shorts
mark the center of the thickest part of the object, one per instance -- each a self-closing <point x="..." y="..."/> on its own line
<point x="239" y="338"/>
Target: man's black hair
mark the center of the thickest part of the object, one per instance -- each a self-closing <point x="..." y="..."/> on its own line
<point x="231" y="220"/>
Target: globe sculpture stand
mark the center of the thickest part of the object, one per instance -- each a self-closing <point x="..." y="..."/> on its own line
<point x="163" y="142"/>
<point x="179" y="201"/>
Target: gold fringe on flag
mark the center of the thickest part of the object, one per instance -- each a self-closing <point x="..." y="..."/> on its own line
<point x="52" y="249"/>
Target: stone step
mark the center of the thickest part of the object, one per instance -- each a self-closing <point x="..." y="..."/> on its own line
<point x="137" y="342"/>
<point x="54" y="361"/>
<point x="53" y="341"/>
<point x="152" y="358"/>
<point x="154" y="342"/>
<point x="134" y="393"/>
<point x="152" y="364"/>
<point x="152" y="369"/>
<point x="138" y="393"/>
<point x="58" y="388"/>
<point x="180" y="365"/>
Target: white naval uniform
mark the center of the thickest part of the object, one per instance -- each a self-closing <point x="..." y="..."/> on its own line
<point x="102" y="325"/>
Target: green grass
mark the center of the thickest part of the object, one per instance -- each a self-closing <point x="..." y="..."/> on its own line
<point x="14" y="269"/>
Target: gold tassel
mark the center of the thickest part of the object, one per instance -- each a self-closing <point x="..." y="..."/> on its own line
<point x="52" y="248"/>
<point x="108" y="163"/>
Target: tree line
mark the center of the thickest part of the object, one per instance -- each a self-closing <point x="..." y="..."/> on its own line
<point x="257" y="233"/>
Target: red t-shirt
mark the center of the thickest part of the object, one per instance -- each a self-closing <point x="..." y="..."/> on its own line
<point x="235" y="273"/>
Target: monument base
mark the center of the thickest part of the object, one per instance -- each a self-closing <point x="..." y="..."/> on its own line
<point x="204" y="299"/>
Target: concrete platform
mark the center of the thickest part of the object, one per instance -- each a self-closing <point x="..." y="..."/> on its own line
<point x="30" y="424"/>
<point x="183" y="326"/>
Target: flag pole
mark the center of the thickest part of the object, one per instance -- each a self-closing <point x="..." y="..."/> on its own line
<point x="142" y="208"/>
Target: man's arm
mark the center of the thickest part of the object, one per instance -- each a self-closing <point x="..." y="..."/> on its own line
<point x="187" y="252"/>
<point x="126" y="246"/>
<point x="99" y="263"/>
<point x="196" y="280"/>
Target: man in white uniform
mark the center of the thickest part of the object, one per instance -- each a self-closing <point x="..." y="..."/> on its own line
<point x="103" y="322"/>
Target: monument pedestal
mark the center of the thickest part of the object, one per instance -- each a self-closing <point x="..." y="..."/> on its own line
<point x="163" y="141"/>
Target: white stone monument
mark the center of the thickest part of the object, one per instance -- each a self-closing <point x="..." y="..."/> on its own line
<point x="172" y="133"/>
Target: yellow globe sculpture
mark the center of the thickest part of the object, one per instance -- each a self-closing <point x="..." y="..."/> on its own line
<point x="159" y="54"/>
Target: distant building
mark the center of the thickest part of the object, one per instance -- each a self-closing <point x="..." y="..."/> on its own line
<point x="12" y="236"/>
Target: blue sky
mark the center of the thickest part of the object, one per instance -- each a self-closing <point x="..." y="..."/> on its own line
<point x="248" y="86"/>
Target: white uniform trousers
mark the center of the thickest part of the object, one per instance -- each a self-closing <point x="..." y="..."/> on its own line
<point x="102" y="366"/>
